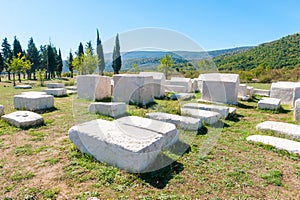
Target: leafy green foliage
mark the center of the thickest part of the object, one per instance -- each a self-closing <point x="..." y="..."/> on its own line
<point x="34" y="57"/>
<point x="273" y="177"/>
<point x="166" y="63"/>
<point x="19" y="64"/>
<point x="86" y="63"/>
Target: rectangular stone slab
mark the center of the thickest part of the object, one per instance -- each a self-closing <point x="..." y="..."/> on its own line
<point x="159" y="80"/>
<point x="269" y="103"/>
<point x="167" y="130"/>
<point x="260" y="92"/>
<point x="33" y="102"/>
<point x="112" y="109"/>
<point x="182" y="96"/>
<point x="55" y="85"/>
<point x="186" y="123"/>
<point x="23" y="119"/>
<point x="223" y="110"/>
<point x="288" y="92"/>
<point x="289" y="130"/>
<point x="279" y="143"/>
<point x="175" y="88"/>
<point x="120" y="145"/>
<point x="180" y="81"/>
<point x="208" y="117"/>
<point x="57" y="92"/>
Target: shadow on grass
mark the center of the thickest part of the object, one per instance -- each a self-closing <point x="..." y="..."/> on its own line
<point x="202" y="131"/>
<point x="244" y="106"/>
<point x="234" y="118"/>
<point x="46" y="110"/>
<point x="180" y="148"/>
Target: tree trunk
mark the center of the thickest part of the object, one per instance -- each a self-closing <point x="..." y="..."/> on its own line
<point x="9" y="75"/>
<point x="34" y="77"/>
<point x="14" y="79"/>
<point x="19" y="77"/>
<point x="24" y="75"/>
<point x="71" y="74"/>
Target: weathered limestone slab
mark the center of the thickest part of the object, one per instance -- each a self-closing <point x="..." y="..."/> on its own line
<point x="250" y="91"/>
<point x="175" y="88"/>
<point x="242" y="90"/>
<point x="289" y="130"/>
<point x="159" y="82"/>
<point x="288" y="92"/>
<point x="23" y="119"/>
<point x="57" y="92"/>
<point x="1" y="110"/>
<point x="297" y="110"/>
<point x="260" y="92"/>
<point x="33" y="93"/>
<point x="208" y="117"/>
<point x="23" y="87"/>
<point x="223" y="110"/>
<point x="167" y="130"/>
<point x="55" y="85"/>
<point x="183" y="96"/>
<point x="217" y="87"/>
<point x="186" y="123"/>
<point x="195" y="85"/>
<point x="133" y="88"/>
<point x="269" y="103"/>
<point x="126" y="147"/>
<point x="71" y="88"/>
<point x="93" y="87"/>
<point x="179" y="81"/>
<point x="112" y="109"/>
<point x="279" y="143"/>
<point x="33" y="101"/>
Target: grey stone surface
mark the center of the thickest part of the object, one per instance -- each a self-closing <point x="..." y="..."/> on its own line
<point x="23" y="119"/>
<point x="180" y="81"/>
<point x="269" y="103"/>
<point x="55" y="85"/>
<point x="232" y="110"/>
<point x="33" y="93"/>
<point x="244" y="98"/>
<point x="182" y="96"/>
<point x="218" y="87"/>
<point x="175" y="88"/>
<point x="137" y="89"/>
<point x="159" y="82"/>
<point x="23" y="87"/>
<point x="260" y="92"/>
<point x="93" y="87"/>
<point x="186" y="123"/>
<point x="289" y="130"/>
<point x="124" y="146"/>
<point x="297" y="110"/>
<point x="208" y="117"/>
<point x="167" y="130"/>
<point x="250" y="91"/>
<point x="1" y="110"/>
<point x="112" y="109"/>
<point x="57" y="92"/>
<point x="71" y="87"/>
<point x="242" y="90"/>
<point x="279" y="143"/>
<point x="288" y="92"/>
<point x="223" y="110"/>
<point x="195" y="85"/>
<point x="33" y="101"/>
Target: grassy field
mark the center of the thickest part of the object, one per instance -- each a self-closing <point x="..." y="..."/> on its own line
<point x="42" y="163"/>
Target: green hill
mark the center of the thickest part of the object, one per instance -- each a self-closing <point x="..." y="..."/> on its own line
<point x="277" y="54"/>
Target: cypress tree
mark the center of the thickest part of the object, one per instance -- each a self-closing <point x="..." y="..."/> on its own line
<point x="1" y="65"/>
<point x="100" y="54"/>
<point x="70" y="64"/>
<point x="89" y="47"/>
<point x="51" y="61"/>
<point x="80" y="51"/>
<point x="59" y="63"/>
<point x="7" y="55"/>
<point x="34" y="57"/>
<point x="117" y="62"/>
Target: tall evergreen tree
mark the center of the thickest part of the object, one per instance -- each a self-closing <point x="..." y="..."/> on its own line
<point x="100" y="54"/>
<point x="1" y="65"/>
<point x="70" y="63"/>
<point x="51" y="61"/>
<point x="89" y="47"/>
<point x="7" y="55"/>
<point x="16" y="50"/>
<point x="80" y="51"/>
<point x="117" y="62"/>
<point x="59" y="64"/>
<point x="34" y="57"/>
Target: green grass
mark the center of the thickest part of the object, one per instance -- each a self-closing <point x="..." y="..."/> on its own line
<point x="273" y="177"/>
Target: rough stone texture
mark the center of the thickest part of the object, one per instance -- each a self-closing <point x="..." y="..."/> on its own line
<point x="1" y="110"/>
<point x="250" y="91"/>
<point x="223" y="110"/>
<point x="179" y="81"/>
<point x="217" y="87"/>
<point x="288" y="92"/>
<point x="93" y="87"/>
<point x="23" y="119"/>
<point x="167" y="130"/>
<point x="183" y="96"/>
<point x="57" y="92"/>
<point x="33" y="101"/>
<point x="175" y="88"/>
<point x="23" y="87"/>
<point x="297" y="110"/>
<point x="195" y="85"/>
<point x="112" y="109"/>
<point x="244" y="98"/>
<point x="279" y="143"/>
<point x="126" y="147"/>
<point x="186" y="123"/>
<point x="71" y="88"/>
<point x="208" y="117"/>
<point x="159" y="81"/>
<point x="71" y="92"/>
<point x="242" y="90"/>
<point x="269" y="103"/>
<point x="289" y="130"/>
<point x="260" y="92"/>
<point x="55" y="85"/>
<point x="137" y="89"/>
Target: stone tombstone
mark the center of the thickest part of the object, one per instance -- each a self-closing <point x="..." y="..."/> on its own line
<point x="297" y="110"/>
<point x="159" y="81"/>
<point x="1" y="110"/>
<point x="133" y="88"/>
<point x="57" y="92"/>
<point x="93" y="87"/>
<point x="242" y="90"/>
<point x="55" y="85"/>
<point x="180" y="81"/>
<point x="195" y="85"/>
<point x="260" y="92"/>
<point x="112" y="109"/>
<point x="24" y="119"/>
<point x="269" y="103"/>
<point x="33" y="101"/>
<point x="221" y="88"/>
<point x="288" y="92"/>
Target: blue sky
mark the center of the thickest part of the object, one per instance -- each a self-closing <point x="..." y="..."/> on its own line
<point x="213" y="24"/>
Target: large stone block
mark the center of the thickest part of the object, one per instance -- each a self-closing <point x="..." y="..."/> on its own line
<point x="112" y="109"/>
<point x="93" y="87"/>
<point x="289" y="130"/>
<point x="260" y="92"/>
<point x="223" y="110"/>
<point x="57" y="92"/>
<point x="183" y="96"/>
<point x="55" y="85"/>
<point x="1" y="110"/>
<point x="297" y="110"/>
<point x="159" y="82"/>
<point x="269" y="103"/>
<point x="132" y="88"/>
<point x="175" y="88"/>
<point x="242" y="90"/>
<point x="250" y="91"/>
<point x="33" y="101"/>
<point x="288" y="92"/>
<point x="185" y="82"/>
<point x="208" y="117"/>
<point x="126" y="147"/>
<point x="24" y="119"/>
<point x="222" y="88"/>
<point x="23" y="87"/>
<point x="195" y="85"/>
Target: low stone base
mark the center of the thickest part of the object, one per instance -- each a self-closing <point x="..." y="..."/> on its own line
<point x="112" y="109"/>
<point x="57" y="92"/>
<point x="23" y="87"/>
<point x="24" y="119"/>
<point x="289" y="130"/>
<point x="269" y="103"/>
<point x="264" y="93"/>
<point x="223" y="110"/>
<point x="183" y="96"/>
<point x="33" y="101"/>
<point x="55" y="85"/>
<point x="208" y="117"/>
<point x="175" y="88"/>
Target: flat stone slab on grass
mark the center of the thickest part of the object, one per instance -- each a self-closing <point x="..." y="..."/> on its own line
<point x="33" y="93"/>
<point x="289" y="130"/>
<point x="112" y="109"/>
<point x="279" y="143"/>
<point x="208" y="117"/>
<point x="33" y="101"/>
<point x="260" y="92"/>
<point x="23" y="87"/>
<point x="269" y="103"/>
<point x="175" y="88"/>
<point x="126" y="147"/>
<point x="24" y="119"/>
<point x="182" y="96"/>
<point x="167" y="130"/>
<point x="57" y="92"/>
<point x="1" y="110"/>
<point x="184" y="122"/>
<point x="71" y="88"/>
<point x="55" y="85"/>
<point x="223" y="110"/>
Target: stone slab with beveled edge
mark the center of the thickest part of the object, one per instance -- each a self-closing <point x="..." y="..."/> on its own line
<point x="55" y="85"/>
<point x="184" y="122"/>
<point x="112" y="109"/>
<point x="223" y="110"/>
<point x="269" y="103"/>
<point x="23" y="87"/>
<point x="183" y="96"/>
<point x="279" y="143"/>
<point x="260" y="92"/>
<point x="288" y="92"/>
<point x="33" y="101"/>
<point x="24" y="119"/>
<point x="167" y="130"/>
<point x="123" y="146"/>
<point x="208" y="117"/>
<point x="289" y="130"/>
<point x="1" y="110"/>
<point x="57" y="92"/>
